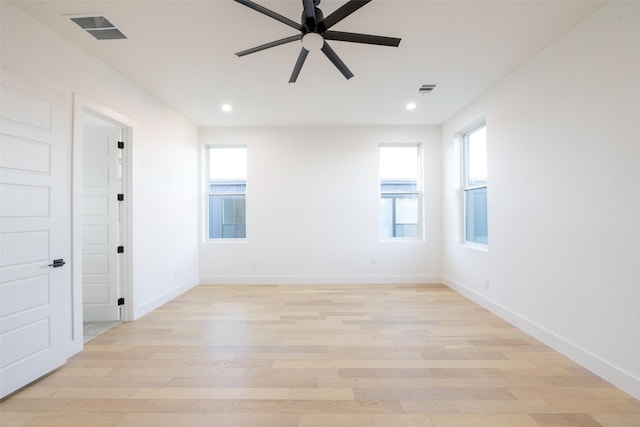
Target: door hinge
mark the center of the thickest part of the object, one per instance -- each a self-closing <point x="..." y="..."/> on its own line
<point x="120" y="197"/>
<point x="121" y="145"/>
<point x="120" y="301"/>
<point x="120" y="249"/>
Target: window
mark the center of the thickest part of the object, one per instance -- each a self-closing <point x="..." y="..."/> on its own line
<point x="227" y="187"/>
<point x="400" y="191"/>
<point x="475" y="185"/>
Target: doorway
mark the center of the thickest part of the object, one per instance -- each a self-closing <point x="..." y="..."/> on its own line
<point x="101" y="212"/>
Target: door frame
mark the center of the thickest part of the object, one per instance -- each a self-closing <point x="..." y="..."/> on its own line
<point x="80" y="106"/>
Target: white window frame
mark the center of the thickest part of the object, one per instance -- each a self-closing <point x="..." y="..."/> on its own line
<point x="419" y="192"/>
<point x="467" y="185"/>
<point x="208" y="193"/>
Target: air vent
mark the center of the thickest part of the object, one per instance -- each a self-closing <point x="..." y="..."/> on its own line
<point x="99" y="27"/>
<point x="426" y="89"/>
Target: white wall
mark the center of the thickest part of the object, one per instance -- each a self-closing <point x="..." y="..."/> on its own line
<point x="564" y="202"/>
<point x="312" y="209"/>
<point x="165" y="195"/>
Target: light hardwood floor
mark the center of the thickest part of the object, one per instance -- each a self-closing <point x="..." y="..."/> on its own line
<point x="307" y="356"/>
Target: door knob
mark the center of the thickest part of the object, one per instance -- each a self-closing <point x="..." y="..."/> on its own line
<point x="57" y="263"/>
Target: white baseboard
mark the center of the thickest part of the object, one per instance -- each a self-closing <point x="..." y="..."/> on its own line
<point x="149" y="306"/>
<point x="319" y="280"/>
<point x="611" y="373"/>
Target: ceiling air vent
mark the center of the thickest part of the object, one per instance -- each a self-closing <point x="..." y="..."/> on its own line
<point x="99" y="27"/>
<point x="426" y="89"/>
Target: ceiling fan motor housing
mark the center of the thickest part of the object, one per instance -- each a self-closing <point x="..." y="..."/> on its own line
<point x="313" y="25"/>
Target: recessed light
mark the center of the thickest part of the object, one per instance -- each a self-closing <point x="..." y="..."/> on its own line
<point x="411" y="106"/>
<point x="226" y="108"/>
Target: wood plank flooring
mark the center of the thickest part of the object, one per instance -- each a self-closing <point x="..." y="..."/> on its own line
<point x="307" y="356"/>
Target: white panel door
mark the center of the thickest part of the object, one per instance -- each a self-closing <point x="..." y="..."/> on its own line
<point x="35" y="229"/>
<point x="100" y="236"/>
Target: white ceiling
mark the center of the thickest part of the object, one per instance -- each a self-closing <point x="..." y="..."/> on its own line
<point x="182" y="51"/>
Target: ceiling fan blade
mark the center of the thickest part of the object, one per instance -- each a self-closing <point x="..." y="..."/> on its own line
<point x="333" y="57"/>
<point x="309" y="14"/>
<point x="342" y="12"/>
<point x="299" y="63"/>
<point x="362" y="38"/>
<point x="271" y="14"/>
<point x="269" y="45"/>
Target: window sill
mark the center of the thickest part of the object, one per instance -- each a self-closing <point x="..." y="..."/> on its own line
<point x="476" y="246"/>
<point x="225" y="241"/>
<point x="402" y="240"/>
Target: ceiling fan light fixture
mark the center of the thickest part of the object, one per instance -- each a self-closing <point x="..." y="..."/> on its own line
<point x="312" y="41"/>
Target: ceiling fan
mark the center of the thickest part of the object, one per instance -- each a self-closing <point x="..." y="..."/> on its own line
<point x="315" y="31"/>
